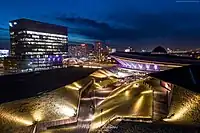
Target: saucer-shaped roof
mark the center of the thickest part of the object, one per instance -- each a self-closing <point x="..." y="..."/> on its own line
<point x="159" y="49"/>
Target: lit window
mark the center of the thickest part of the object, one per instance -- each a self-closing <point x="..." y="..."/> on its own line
<point x="34" y="36"/>
<point x="46" y="34"/>
<point x="10" y="24"/>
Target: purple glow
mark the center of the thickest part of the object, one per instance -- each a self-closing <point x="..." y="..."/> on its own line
<point x="129" y="64"/>
<point x="134" y="65"/>
<point x="120" y="62"/>
<point x="147" y="66"/>
<point x="155" y="67"/>
<point x="123" y="64"/>
<point x="140" y="66"/>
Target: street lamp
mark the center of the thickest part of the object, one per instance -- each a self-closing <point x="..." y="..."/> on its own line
<point x="35" y="127"/>
<point x="101" y="115"/>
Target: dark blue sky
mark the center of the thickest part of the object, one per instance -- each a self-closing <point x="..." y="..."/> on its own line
<point x="138" y="23"/>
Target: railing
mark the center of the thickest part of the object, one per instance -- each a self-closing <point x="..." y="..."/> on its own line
<point x="45" y="125"/>
<point x="116" y="117"/>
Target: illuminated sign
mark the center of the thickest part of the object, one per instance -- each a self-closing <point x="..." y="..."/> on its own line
<point x="166" y="85"/>
<point x="82" y="45"/>
<point x="127" y="50"/>
<point x="4" y="53"/>
<point x="113" y="50"/>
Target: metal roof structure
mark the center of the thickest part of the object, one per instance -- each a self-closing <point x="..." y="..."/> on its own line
<point x="187" y="77"/>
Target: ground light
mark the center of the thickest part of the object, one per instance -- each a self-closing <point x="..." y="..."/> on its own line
<point x="138" y="104"/>
<point x="136" y="85"/>
<point x="37" y="115"/>
<point x="147" y="92"/>
<point x="183" y="110"/>
<point x="67" y="111"/>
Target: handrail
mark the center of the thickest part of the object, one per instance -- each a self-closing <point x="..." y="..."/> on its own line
<point x="115" y="117"/>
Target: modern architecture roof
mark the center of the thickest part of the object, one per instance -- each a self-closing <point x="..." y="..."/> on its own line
<point x="159" y="49"/>
<point x="157" y="58"/>
<point x="187" y="77"/>
<point x="32" y="25"/>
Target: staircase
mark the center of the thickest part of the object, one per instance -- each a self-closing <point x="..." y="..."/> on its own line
<point x="160" y="105"/>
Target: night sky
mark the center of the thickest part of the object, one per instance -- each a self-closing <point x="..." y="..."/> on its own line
<point x="136" y="23"/>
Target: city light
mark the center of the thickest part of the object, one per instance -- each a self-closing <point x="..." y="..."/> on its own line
<point x="122" y="75"/>
<point x="155" y="67"/>
<point x="127" y="93"/>
<point x="37" y="115"/>
<point x="136" y="85"/>
<point x="147" y="92"/>
<point x="138" y="104"/>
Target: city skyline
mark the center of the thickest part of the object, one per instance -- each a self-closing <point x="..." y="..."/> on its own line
<point x="138" y="24"/>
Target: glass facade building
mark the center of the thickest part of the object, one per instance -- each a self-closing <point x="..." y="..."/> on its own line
<point x="44" y="45"/>
<point x="78" y="50"/>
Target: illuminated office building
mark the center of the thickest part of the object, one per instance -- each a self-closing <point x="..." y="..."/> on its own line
<point x="4" y="53"/>
<point x="83" y="48"/>
<point x="98" y="50"/>
<point x="44" y="45"/>
<point x="78" y="50"/>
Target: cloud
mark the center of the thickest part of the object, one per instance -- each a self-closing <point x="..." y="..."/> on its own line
<point x="172" y="25"/>
<point x="96" y="29"/>
<point x="84" y="21"/>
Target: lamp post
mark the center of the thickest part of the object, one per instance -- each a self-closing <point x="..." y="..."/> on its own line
<point x="101" y="115"/>
<point x="95" y="102"/>
<point x="35" y="127"/>
<point x="152" y="104"/>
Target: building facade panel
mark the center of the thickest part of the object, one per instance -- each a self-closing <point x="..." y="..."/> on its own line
<point x="43" y="44"/>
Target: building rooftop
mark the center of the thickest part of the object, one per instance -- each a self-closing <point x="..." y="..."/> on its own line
<point x="187" y="77"/>
<point x="157" y="57"/>
<point x="159" y="49"/>
<point x="29" y="24"/>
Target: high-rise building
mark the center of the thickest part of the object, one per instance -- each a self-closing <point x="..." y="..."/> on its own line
<point x="83" y="50"/>
<point x="72" y="50"/>
<point x="42" y="44"/>
<point x="78" y="50"/>
<point x="98" y="50"/>
<point x="4" y="53"/>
